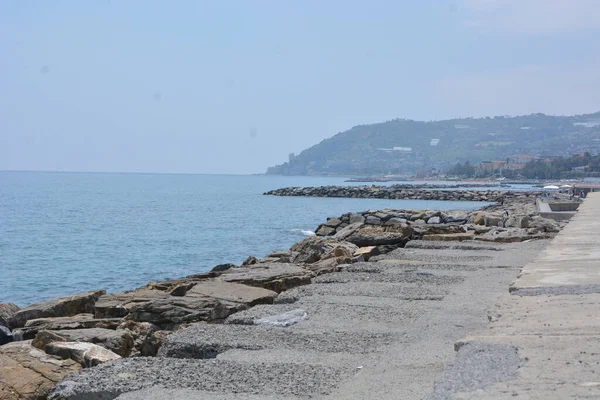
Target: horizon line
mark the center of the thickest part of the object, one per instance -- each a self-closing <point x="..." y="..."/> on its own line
<point x="125" y="172"/>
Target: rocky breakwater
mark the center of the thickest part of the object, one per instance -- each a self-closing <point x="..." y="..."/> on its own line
<point x="401" y="192"/>
<point x="46" y="341"/>
<point x="71" y="335"/>
<point x="374" y="230"/>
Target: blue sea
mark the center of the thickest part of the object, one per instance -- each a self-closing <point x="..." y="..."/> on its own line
<point x="62" y="233"/>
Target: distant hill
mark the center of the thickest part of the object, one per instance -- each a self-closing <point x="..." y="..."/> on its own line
<point x="405" y="146"/>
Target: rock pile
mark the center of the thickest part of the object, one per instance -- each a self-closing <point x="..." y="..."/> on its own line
<point x="380" y="227"/>
<point x="87" y="329"/>
<point x="401" y="192"/>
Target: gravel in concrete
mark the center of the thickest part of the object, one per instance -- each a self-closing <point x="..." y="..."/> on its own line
<point x="558" y="290"/>
<point x="406" y="277"/>
<point x="160" y="393"/>
<point x="476" y="366"/>
<point x="208" y="340"/>
<point x="451" y="245"/>
<point x="108" y="381"/>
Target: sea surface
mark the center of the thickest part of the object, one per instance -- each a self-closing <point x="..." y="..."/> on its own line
<point x="61" y="233"/>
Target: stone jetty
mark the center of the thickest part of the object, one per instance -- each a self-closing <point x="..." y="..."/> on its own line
<point x="402" y="192"/>
<point x="326" y="318"/>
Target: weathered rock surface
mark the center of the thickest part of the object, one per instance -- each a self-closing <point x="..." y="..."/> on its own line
<point x="117" y="341"/>
<point x="324" y="230"/>
<point x="120" y="305"/>
<point x="313" y="249"/>
<point x="172" y="311"/>
<point x="273" y="276"/>
<point x="377" y="235"/>
<point x="232" y="292"/>
<point x="86" y="354"/>
<point x="7" y="312"/>
<point x="367" y="252"/>
<point x="79" y="321"/>
<point x="65" y="306"/>
<point x="28" y="373"/>
<point x="147" y="337"/>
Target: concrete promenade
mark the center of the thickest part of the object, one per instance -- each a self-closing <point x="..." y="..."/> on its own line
<point x="543" y="339"/>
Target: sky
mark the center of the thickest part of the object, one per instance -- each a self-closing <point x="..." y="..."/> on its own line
<point x="235" y="86"/>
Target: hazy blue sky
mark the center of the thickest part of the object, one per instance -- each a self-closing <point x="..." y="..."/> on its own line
<point x="234" y="86"/>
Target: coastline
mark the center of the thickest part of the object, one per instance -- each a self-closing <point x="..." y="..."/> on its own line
<point x="135" y="323"/>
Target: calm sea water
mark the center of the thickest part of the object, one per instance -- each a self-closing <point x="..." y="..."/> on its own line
<point x="66" y="232"/>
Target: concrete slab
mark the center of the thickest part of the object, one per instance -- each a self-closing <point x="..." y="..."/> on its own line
<point x="574" y="256"/>
<point x="552" y="320"/>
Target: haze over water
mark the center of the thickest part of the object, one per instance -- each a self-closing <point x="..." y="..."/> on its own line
<point x="66" y="232"/>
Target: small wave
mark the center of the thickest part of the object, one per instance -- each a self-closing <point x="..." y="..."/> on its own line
<point x="304" y="232"/>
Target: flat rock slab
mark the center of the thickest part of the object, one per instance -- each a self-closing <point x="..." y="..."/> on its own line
<point x="86" y="354"/>
<point x="110" y="380"/>
<point x="65" y="306"/>
<point x="28" y="373"/>
<point x="119" y="305"/>
<point x="234" y="292"/>
<point x="119" y="341"/>
<point x="162" y="309"/>
<point x="204" y="341"/>
<point x="368" y="235"/>
<point x="79" y="321"/>
<point x="273" y="276"/>
<point x="169" y="312"/>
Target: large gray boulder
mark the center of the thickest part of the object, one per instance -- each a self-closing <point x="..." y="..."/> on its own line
<point x="314" y="249"/>
<point x="354" y="218"/>
<point x="7" y="312"/>
<point x="65" y="306"/>
<point x="117" y="341"/>
<point x="232" y="292"/>
<point x="343" y="233"/>
<point x="169" y="312"/>
<point x="380" y="235"/>
<point x="324" y="230"/>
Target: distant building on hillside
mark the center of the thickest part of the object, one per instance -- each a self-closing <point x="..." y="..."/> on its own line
<point x="522" y="158"/>
<point x="496" y="166"/>
<point x="291" y="157"/>
<point x="434" y="142"/>
<point x="486" y="166"/>
<point x="400" y="149"/>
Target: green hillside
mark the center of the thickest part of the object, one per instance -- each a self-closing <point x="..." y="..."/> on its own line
<point x="369" y="149"/>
